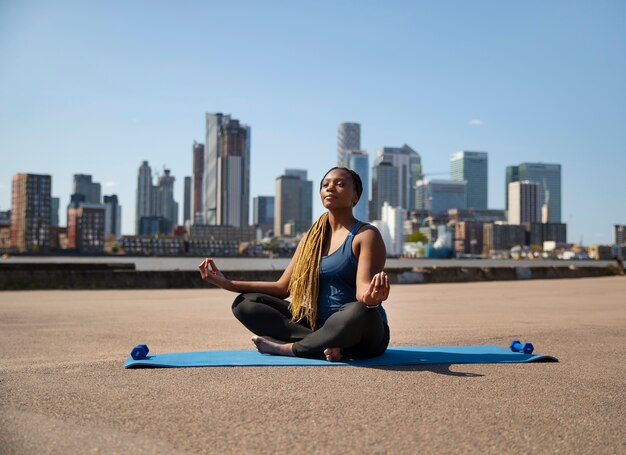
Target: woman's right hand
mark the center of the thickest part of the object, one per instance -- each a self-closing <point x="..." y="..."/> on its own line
<point x="211" y="274"/>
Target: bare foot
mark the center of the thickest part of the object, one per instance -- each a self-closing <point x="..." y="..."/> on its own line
<point x="333" y="354"/>
<point x="267" y="345"/>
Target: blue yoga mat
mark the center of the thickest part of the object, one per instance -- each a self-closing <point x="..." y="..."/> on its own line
<point x="398" y="355"/>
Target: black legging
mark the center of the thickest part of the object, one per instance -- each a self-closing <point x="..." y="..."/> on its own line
<point x="359" y="331"/>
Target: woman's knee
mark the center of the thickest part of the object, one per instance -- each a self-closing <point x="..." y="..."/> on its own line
<point x="241" y="305"/>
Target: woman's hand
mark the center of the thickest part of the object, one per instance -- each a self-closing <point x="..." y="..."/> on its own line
<point x="378" y="290"/>
<point x="211" y="274"/>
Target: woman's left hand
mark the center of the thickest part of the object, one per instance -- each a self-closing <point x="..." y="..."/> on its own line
<point x="378" y="290"/>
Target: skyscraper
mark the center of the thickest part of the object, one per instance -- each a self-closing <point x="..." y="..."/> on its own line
<point x="92" y="191"/>
<point x="263" y="212"/>
<point x="155" y="203"/>
<point x="112" y="217"/>
<point x="197" y="209"/>
<point x="358" y="161"/>
<point x="30" y="212"/>
<point x="522" y="197"/>
<point x="187" y="201"/>
<point x="438" y="196"/>
<point x="144" y="199"/>
<point x="54" y="211"/>
<point x="293" y="208"/>
<point x="85" y="226"/>
<point x="348" y="138"/>
<point x="471" y="167"/>
<point x="394" y="179"/>
<point x="548" y="179"/>
<point x="166" y="207"/>
<point x="226" y="176"/>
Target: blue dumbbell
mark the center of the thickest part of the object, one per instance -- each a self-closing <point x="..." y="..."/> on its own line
<point x="517" y="346"/>
<point x="139" y="352"/>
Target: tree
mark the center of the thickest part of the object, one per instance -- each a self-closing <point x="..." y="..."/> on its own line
<point x="416" y="236"/>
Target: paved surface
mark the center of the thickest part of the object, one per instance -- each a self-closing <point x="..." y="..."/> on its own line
<point x="63" y="389"/>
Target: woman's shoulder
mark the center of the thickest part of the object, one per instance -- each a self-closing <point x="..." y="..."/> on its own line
<point x="367" y="231"/>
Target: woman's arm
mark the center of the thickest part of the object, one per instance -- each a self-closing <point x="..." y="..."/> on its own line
<point x="211" y="274"/>
<point x="372" y="283"/>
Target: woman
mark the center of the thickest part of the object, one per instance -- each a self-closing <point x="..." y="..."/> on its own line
<point x="335" y="280"/>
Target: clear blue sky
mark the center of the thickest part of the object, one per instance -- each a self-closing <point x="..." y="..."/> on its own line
<point x="97" y="87"/>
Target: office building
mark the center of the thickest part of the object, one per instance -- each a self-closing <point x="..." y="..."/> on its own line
<point x="502" y="237"/>
<point x="112" y="217"/>
<point x="471" y="167"/>
<point x="293" y="208"/>
<point x="393" y="218"/>
<point x="619" y="234"/>
<point x="144" y="198"/>
<point x="522" y="198"/>
<point x="348" y="139"/>
<point x="83" y="184"/>
<point x="55" y="205"/>
<point x="157" y="211"/>
<point x="226" y="176"/>
<point x="85" y="227"/>
<point x="395" y="173"/>
<point x="196" y="182"/>
<point x="263" y="213"/>
<point x="548" y="180"/>
<point x="358" y="161"/>
<point x="468" y="237"/>
<point x="165" y="205"/>
<point x="187" y="201"/>
<point x="438" y="196"/>
<point x="30" y="212"/>
<point x="537" y="233"/>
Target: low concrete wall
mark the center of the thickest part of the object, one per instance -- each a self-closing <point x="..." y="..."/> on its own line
<point x="124" y="276"/>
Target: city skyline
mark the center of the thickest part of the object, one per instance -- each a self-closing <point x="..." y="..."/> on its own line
<point x="531" y="83"/>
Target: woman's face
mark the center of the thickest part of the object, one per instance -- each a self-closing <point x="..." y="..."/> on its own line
<point x="338" y="190"/>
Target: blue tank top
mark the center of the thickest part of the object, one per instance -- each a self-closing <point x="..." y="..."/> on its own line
<point x="337" y="285"/>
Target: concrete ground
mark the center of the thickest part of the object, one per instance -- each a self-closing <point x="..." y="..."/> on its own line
<point x="63" y="388"/>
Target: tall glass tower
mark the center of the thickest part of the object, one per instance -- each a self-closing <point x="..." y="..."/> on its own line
<point x="471" y="167"/>
<point x="395" y="173"/>
<point x="548" y="180"/>
<point x="226" y="173"/>
<point x="358" y="161"/>
<point x="144" y="198"/>
<point x="348" y="138"/>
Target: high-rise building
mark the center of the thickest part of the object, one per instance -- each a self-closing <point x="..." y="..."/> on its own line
<point x="198" y="171"/>
<point x="144" y="198"/>
<point x="226" y="177"/>
<point x="472" y="168"/>
<point x="500" y="237"/>
<point x="187" y="201"/>
<point x="522" y="202"/>
<point x="54" y="211"/>
<point x="438" y="196"/>
<point x="83" y="184"/>
<point x="348" y="138"/>
<point x="548" y="179"/>
<point x="165" y="205"/>
<point x="394" y="178"/>
<point x="85" y="227"/>
<point x="393" y="218"/>
<point x="30" y="212"/>
<point x="358" y="161"/>
<point x="619" y="234"/>
<point x="263" y="212"/>
<point x="293" y="208"/>
<point x="112" y="217"/>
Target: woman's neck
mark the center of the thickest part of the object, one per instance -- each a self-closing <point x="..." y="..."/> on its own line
<point x="341" y="219"/>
